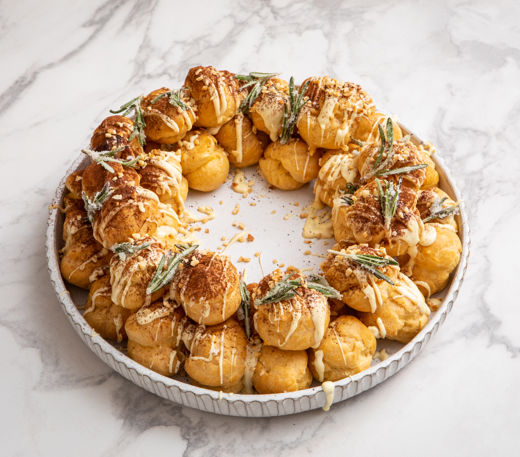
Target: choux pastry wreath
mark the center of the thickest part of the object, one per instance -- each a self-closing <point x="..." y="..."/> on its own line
<point x="179" y="309"/>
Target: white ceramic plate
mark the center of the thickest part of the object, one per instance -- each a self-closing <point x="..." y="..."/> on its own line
<point x="278" y="237"/>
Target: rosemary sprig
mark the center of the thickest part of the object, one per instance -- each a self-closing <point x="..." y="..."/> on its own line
<point x="389" y="199"/>
<point x="292" y="110"/>
<point x="257" y="81"/>
<point x="387" y="145"/>
<point x="320" y="284"/>
<point x="438" y="212"/>
<point x="285" y="289"/>
<point x="347" y="192"/>
<point x="126" y="249"/>
<point x="93" y="206"/>
<point x="167" y="268"/>
<point x="403" y="170"/>
<point x="174" y="97"/>
<point x="370" y="263"/>
<point x="139" y="123"/>
<point x="245" y="305"/>
<point x="103" y="157"/>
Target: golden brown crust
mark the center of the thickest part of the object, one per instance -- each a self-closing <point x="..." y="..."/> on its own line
<point x="337" y="168"/>
<point x="435" y="261"/>
<point x="346" y="349"/>
<point x="127" y="211"/>
<point x="162" y="174"/>
<point x="360" y="289"/>
<point x="167" y="123"/>
<point x="268" y="108"/>
<point x="103" y="315"/>
<point x="331" y="116"/>
<point x="405" y="154"/>
<point x="157" y="324"/>
<point x="362" y="221"/>
<point x="403" y="314"/>
<point x="217" y="355"/>
<point x="131" y="274"/>
<point x="113" y="133"/>
<point x="289" y="166"/>
<point x="432" y="176"/>
<point x="244" y="144"/>
<point x="162" y="359"/>
<point x="368" y="131"/>
<point x="208" y="287"/>
<point x="294" y="324"/>
<point x="204" y="163"/>
<point x="428" y="197"/>
<point x="280" y="371"/>
<point x="83" y="258"/>
<point x="216" y="94"/>
<point x="73" y="183"/>
<point x="95" y="177"/>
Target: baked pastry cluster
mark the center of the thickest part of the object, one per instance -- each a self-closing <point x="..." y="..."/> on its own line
<point x="176" y="307"/>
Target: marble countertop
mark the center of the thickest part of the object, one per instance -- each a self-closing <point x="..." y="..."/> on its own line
<point x="450" y="70"/>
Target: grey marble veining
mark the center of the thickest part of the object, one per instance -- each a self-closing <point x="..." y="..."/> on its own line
<point x="450" y="70"/>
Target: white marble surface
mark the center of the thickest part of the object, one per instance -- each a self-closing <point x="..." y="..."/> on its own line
<point x="449" y="69"/>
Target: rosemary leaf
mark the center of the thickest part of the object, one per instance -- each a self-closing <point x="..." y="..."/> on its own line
<point x="382" y="147"/>
<point x="438" y="212"/>
<point x="357" y="142"/>
<point x="400" y="171"/>
<point x="389" y="200"/>
<point x="346" y="193"/>
<point x="292" y="110"/>
<point x="103" y="157"/>
<point x="245" y="305"/>
<point x="167" y="268"/>
<point x="257" y="80"/>
<point x="387" y="145"/>
<point x="370" y="263"/>
<point x="174" y="97"/>
<point x="284" y="289"/>
<point x="123" y="250"/>
<point x="93" y="206"/>
<point x="139" y="123"/>
<point x="320" y="284"/>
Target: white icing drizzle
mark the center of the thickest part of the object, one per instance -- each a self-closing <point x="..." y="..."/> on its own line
<point x="319" y="221"/>
<point x="328" y="388"/>
<point x="171" y="369"/>
<point x="344" y="165"/>
<point x="340" y="346"/>
<point x="296" y="314"/>
<point x="318" y="309"/>
<point x="409" y="290"/>
<point x="238" y="153"/>
<point x="100" y="224"/>
<point x="272" y="115"/>
<point x="429" y="235"/>
<point x="318" y="365"/>
<point x="145" y="315"/>
<point x="92" y="259"/>
<point x="170" y="163"/>
<point x="381" y="327"/>
<point x="426" y="287"/>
